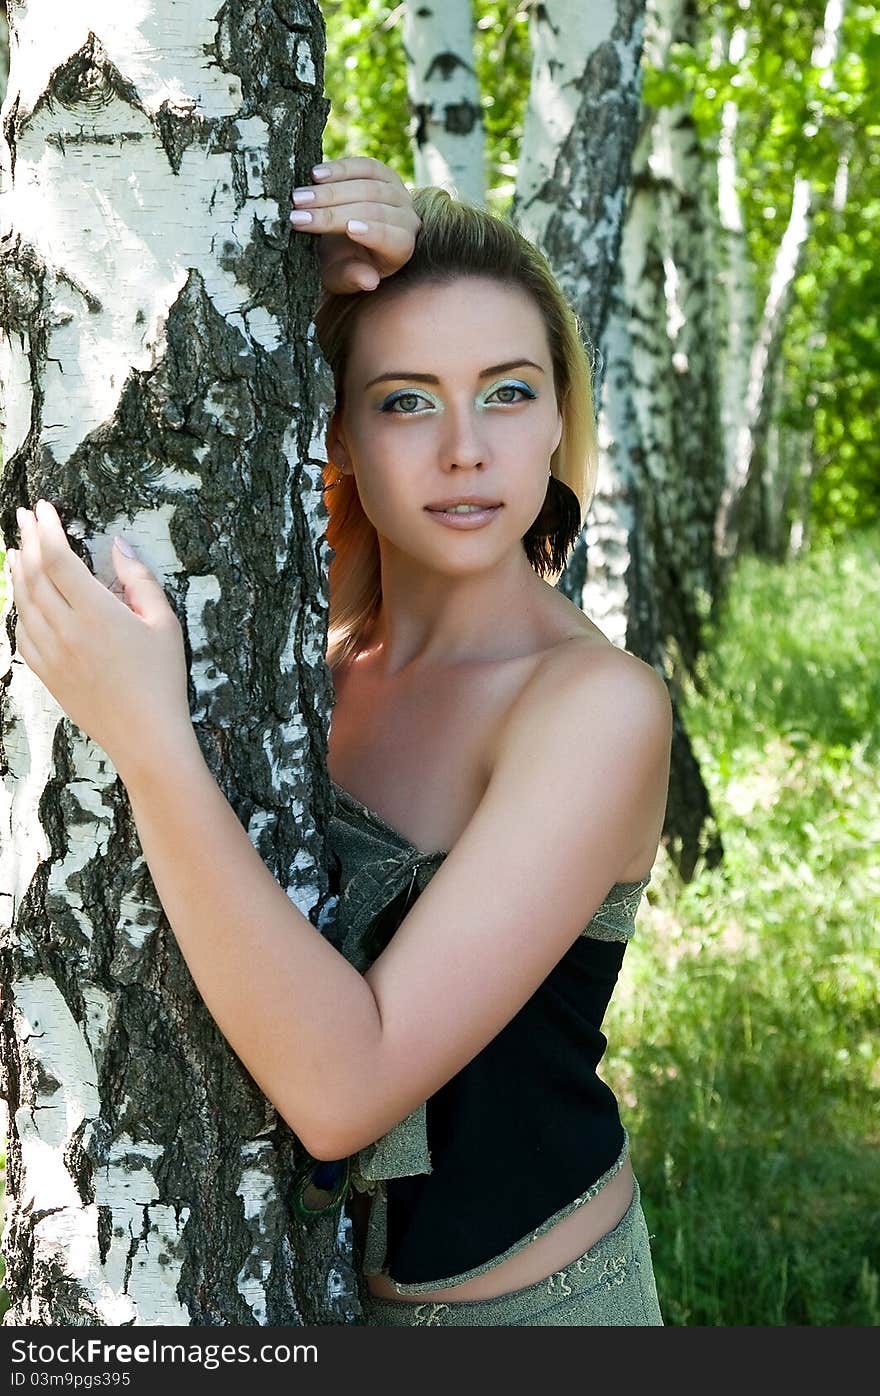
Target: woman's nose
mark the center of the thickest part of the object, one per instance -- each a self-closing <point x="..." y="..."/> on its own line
<point x="464" y="443"/>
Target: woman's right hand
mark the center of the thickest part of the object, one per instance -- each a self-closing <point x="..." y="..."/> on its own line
<point x="362" y="189"/>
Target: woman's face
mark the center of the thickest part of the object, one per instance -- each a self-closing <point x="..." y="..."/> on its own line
<point x="449" y="392"/>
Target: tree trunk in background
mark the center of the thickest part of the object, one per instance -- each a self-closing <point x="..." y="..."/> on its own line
<point x="576" y="165"/>
<point x="798" y="465"/>
<point x="803" y="448"/>
<point x="628" y="594"/>
<point x="160" y="379"/>
<point x="4" y="50"/>
<point x="580" y="130"/>
<point x="667" y="269"/>
<point x="738" y="514"/>
<point x="736" y="301"/>
<point x="579" y="133"/>
<point x="662" y="416"/>
<point x="448" y="137"/>
<point x="775" y="485"/>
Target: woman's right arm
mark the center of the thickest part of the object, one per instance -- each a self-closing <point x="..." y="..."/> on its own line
<point x="357" y="187"/>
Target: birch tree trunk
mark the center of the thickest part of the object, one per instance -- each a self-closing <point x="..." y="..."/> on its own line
<point x="4" y="50"/>
<point x="628" y="592"/>
<point x="574" y="198"/>
<point x="802" y="446"/>
<point x="735" y="521"/>
<point x="775" y="484"/>
<point x="662" y="419"/>
<point x="160" y="379"/>
<point x="736" y="301"/>
<point x="799" y="464"/>
<point x="448" y="136"/>
<point x="579" y="133"/>
<point x="667" y="270"/>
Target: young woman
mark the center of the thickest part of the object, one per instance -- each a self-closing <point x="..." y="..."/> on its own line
<point x="500" y="774"/>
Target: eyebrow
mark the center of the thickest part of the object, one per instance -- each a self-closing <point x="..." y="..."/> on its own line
<point x="430" y="377"/>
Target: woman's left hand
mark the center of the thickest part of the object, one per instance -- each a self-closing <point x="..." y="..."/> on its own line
<point x="364" y="215"/>
<point x="117" y="668"/>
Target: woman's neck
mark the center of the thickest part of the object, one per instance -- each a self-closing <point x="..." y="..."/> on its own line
<point x="437" y="621"/>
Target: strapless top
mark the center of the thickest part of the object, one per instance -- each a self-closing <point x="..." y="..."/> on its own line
<point x="376" y="874"/>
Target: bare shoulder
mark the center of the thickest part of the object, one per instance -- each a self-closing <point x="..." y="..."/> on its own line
<point x="593" y="689"/>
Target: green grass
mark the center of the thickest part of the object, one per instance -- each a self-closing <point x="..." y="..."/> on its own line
<point x="745" y="1044"/>
<point x="745" y="1035"/>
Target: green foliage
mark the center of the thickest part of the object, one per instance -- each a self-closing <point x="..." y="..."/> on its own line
<point x="365" y="80"/>
<point x="503" y="57"/>
<point x="746" y="1045"/>
<point x="790" y="120"/>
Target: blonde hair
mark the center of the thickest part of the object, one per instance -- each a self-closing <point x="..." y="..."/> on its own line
<point x="456" y="239"/>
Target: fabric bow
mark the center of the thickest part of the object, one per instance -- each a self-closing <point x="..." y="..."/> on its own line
<point x="377" y="875"/>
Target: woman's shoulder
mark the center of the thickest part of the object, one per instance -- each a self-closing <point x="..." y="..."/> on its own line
<point x="587" y="666"/>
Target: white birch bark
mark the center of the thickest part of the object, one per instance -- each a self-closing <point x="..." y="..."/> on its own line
<point x="801" y="446"/>
<point x="736" y="317"/>
<point x="448" y="135"/>
<point x="571" y="198"/>
<point x="797" y="447"/>
<point x="158" y="380"/>
<point x="579" y="132"/>
<point x="667" y="275"/>
<point x="760" y="368"/>
<point x="649" y="539"/>
<point x="4" y="51"/>
<point x="755" y="410"/>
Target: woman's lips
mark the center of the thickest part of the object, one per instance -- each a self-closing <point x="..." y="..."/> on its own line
<point x="476" y="518"/>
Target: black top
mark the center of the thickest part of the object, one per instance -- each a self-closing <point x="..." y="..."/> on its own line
<point x="518" y="1133"/>
<point x="527" y="1126"/>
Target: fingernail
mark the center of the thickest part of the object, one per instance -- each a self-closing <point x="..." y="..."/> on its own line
<point x="124" y="547"/>
<point x="303" y="196"/>
<point x="354" y="225"/>
<point x="320" y="172"/>
<point x="300" y="215"/>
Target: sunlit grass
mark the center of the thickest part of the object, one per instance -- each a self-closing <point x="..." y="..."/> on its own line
<point x="745" y="1043"/>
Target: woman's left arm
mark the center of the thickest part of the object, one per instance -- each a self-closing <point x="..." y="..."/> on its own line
<point x="302" y="1020"/>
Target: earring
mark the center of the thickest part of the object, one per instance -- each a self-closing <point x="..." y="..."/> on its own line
<point x="555" y="531"/>
<point x="319" y="1187"/>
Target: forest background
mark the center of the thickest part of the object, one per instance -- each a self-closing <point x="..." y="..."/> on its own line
<point x="744" y="1041"/>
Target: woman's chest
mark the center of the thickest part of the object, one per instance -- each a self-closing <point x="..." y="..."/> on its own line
<point x="420" y="754"/>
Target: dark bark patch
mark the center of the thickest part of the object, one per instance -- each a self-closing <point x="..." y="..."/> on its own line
<point x="444" y="65"/>
<point x="461" y="117"/>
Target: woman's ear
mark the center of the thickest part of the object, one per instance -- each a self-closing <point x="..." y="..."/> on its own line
<point x="337" y="451"/>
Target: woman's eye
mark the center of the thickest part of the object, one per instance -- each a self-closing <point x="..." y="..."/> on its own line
<point x="406" y="402"/>
<point x="524" y="392"/>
